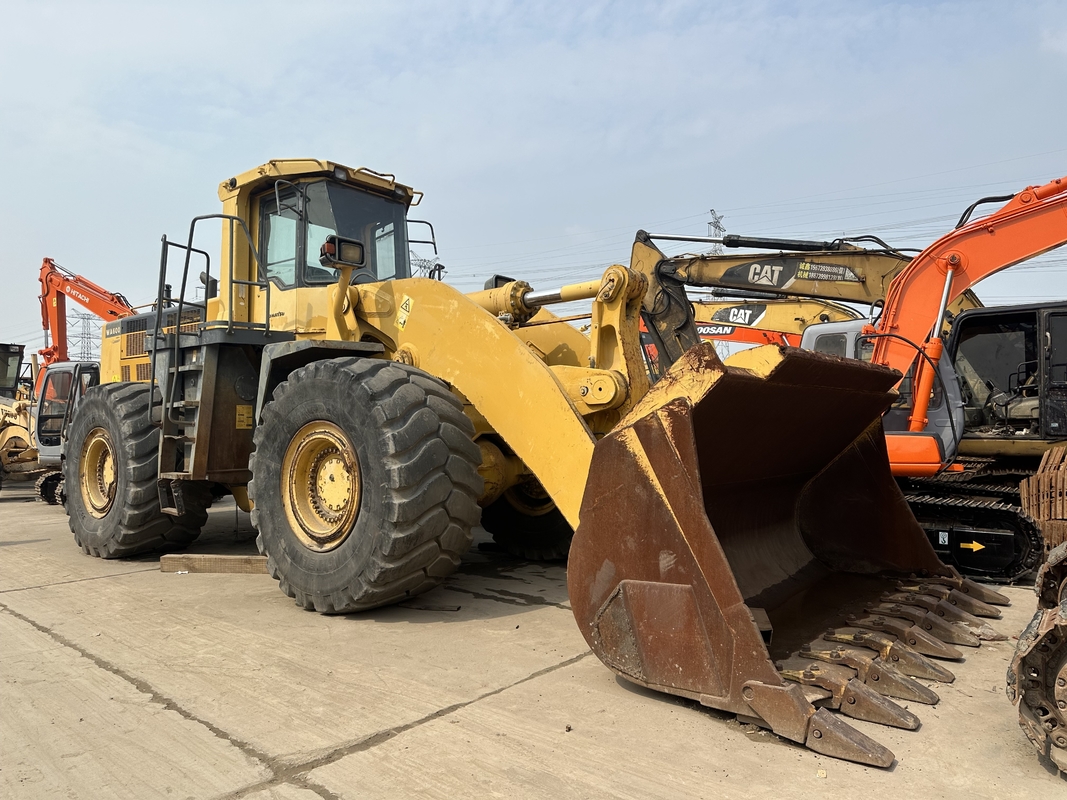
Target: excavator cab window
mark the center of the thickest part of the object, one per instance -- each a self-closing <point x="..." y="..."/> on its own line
<point x="1054" y="410"/>
<point x="292" y="236"/>
<point x="1057" y="349"/>
<point x="997" y="361"/>
<point x="833" y="344"/>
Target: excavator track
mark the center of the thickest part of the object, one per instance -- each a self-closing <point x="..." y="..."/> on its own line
<point x="1037" y="676"/>
<point x="979" y="477"/>
<point x="47" y="487"/>
<point x="980" y="536"/>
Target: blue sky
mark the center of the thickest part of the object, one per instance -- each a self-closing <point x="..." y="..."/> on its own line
<point x="544" y="134"/>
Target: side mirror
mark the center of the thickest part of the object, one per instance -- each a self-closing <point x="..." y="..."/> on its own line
<point x="338" y="252"/>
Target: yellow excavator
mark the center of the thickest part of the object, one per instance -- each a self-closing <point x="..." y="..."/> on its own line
<point x="738" y="536"/>
<point x="745" y="319"/>
<point x="740" y="317"/>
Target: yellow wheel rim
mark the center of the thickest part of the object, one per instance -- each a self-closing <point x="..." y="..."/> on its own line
<point x="97" y="474"/>
<point x="320" y="486"/>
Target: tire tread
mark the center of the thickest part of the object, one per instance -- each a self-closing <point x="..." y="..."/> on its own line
<point x="432" y="483"/>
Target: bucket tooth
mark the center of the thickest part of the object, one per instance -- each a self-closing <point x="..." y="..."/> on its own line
<point x="892" y="652"/>
<point x="912" y="635"/>
<point x="972" y="589"/>
<point x="954" y="596"/>
<point x="947" y="611"/>
<point x="932" y="624"/>
<point x="863" y="702"/>
<point x="874" y="673"/>
<point x="850" y="695"/>
<point x="833" y="737"/>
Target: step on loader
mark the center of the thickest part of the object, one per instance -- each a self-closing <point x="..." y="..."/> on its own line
<point x="738" y="537"/>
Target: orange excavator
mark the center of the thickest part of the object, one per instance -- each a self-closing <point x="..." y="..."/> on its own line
<point x="60" y="381"/>
<point x="57" y="284"/>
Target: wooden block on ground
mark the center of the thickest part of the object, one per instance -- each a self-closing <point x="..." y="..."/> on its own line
<point x="198" y="562"/>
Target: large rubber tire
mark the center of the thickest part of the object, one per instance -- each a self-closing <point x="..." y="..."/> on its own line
<point x="412" y="465"/>
<point x="118" y="414"/>
<point x="526" y="523"/>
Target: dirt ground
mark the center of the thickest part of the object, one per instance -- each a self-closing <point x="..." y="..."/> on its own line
<point x="121" y="681"/>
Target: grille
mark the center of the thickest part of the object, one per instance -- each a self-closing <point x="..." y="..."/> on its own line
<point x="135" y="344"/>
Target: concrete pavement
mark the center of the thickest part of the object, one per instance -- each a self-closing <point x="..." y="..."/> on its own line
<point x="122" y="681"/>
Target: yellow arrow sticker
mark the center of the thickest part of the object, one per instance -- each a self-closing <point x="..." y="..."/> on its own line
<point x="974" y="547"/>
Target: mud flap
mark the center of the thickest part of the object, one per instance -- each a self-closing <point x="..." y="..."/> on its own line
<point x="730" y="519"/>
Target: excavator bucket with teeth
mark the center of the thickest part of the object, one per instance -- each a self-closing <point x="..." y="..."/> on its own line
<point x="736" y="521"/>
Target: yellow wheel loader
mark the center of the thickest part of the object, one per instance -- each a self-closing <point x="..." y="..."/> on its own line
<point x="738" y="536"/>
<point x="18" y="456"/>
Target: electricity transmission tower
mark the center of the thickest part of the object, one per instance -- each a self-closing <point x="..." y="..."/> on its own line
<point x="83" y="335"/>
<point x="717" y="229"/>
<point x="425" y="267"/>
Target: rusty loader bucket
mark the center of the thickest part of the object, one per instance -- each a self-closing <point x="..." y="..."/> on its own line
<point x="743" y="544"/>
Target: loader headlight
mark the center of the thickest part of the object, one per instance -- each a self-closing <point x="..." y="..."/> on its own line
<point x="338" y="251"/>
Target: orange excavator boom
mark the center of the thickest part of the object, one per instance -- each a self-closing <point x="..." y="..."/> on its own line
<point x="57" y="284"/>
<point x="1032" y="222"/>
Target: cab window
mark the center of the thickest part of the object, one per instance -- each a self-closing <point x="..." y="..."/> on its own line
<point x="1057" y="338"/>
<point x="290" y="241"/>
<point x="278" y="238"/>
<point x="833" y="344"/>
<point x="54" y="399"/>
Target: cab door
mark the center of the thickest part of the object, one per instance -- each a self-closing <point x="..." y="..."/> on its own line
<point x="64" y="386"/>
<point x="1054" y="394"/>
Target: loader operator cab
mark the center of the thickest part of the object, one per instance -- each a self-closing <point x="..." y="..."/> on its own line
<point x="10" y="367"/>
<point x="296" y="219"/>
